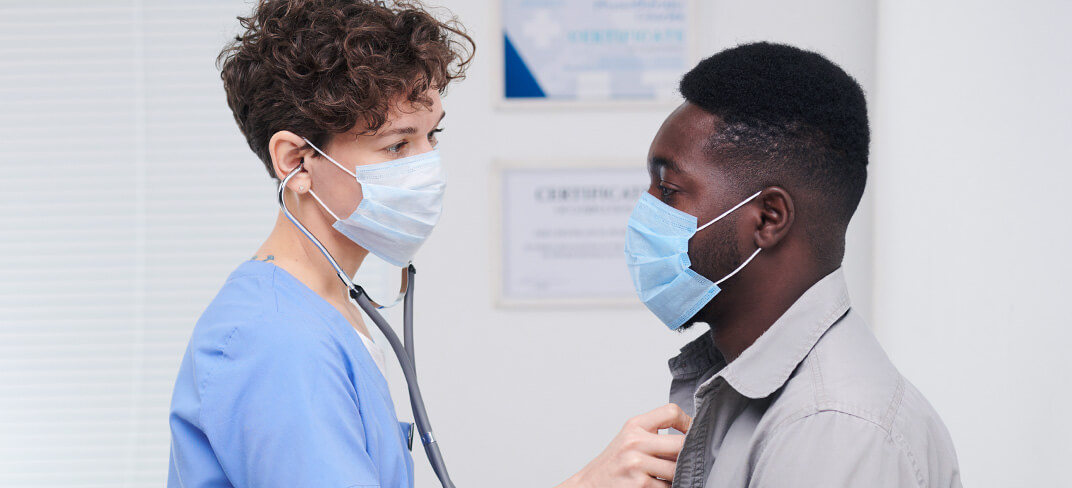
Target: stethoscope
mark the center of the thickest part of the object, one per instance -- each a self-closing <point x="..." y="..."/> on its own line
<point x="406" y="357"/>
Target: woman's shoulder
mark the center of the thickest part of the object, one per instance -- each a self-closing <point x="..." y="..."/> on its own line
<point x="260" y="312"/>
<point x="260" y="322"/>
<point x="245" y="299"/>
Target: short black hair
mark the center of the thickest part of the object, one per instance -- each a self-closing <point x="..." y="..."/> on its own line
<point x="790" y="118"/>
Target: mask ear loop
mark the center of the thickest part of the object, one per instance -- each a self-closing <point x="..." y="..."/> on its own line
<point x="750" y="258"/>
<point x="739" y="268"/>
<point x="329" y="158"/>
<point x="336" y="163"/>
<point x="281" y="200"/>
<point x="735" y="207"/>
<point x="321" y="202"/>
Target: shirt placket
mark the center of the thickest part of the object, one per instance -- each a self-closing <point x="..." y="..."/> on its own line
<point x="691" y="461"/>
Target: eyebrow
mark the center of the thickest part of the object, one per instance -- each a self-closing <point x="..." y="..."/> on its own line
<point x="408" y="130"/>
<point x="658" y="162"/>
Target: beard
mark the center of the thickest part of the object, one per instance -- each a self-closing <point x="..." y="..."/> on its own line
<point x="713" y="258"/>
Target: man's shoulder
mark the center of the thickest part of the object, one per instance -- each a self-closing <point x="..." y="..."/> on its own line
<point x="849" y="372"/>
<point x="848" y="375"/>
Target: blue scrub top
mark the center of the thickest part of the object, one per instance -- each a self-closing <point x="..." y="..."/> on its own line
<point x="277" y="389"/>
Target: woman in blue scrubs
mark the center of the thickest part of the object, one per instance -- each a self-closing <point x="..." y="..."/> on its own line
<point x="280" y="384"/>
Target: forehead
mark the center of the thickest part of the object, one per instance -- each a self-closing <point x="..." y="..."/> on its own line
<point x="404" y="114"/>
<point x="683" y="137"/>
<point x="405" y="111"/>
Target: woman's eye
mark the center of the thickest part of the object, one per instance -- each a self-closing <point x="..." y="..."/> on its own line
<point x="666" y="192"/>
<point x="397" y="148"/>
<point x="432" y="137"/>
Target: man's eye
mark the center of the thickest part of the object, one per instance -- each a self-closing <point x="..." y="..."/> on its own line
<point x="433" y="136"/>
<point x="397" y="148"/>
<point x="666" y="192"/>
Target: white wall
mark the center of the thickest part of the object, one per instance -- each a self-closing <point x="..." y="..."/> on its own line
<point x="124" y="142"/>
<point x="971" y="241"/>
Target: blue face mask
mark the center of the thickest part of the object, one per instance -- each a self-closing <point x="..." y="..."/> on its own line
<point x="400" y="204"/>
<point x="657" y="253"/>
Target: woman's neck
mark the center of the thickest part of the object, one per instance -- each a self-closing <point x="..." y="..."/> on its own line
<point x="291" y="250"/>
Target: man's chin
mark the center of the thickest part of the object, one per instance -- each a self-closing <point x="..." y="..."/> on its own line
<point x="689" y="323"/>
<point x="704" y="316"/>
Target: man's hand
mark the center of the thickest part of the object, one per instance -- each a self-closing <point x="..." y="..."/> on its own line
<point x="638" y="456"/>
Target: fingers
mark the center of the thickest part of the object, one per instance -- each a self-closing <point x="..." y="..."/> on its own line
<point x="658" y="453"/>
<point x="669" y="416"/>
<point x="638" y="456"/>
<point x="681" y="421"/>
<point x="659" y="468"/>
<point x="664" y="446"/>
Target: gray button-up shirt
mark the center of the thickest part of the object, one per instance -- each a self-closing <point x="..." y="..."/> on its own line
<point x="814" y="402"/>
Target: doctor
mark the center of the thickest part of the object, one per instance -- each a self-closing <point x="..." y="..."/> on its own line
<point x="281" y="384"/>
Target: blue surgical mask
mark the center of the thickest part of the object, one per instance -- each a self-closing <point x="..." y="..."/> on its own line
<point x="657" y="253"/>
<point x="400" y="204"/>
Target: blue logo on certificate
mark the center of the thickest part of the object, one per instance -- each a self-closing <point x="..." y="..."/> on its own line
<point x="594" y="50"/>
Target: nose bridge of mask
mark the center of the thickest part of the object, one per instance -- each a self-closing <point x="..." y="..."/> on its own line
<point x="415" y="172"/>
<point x="663" y="218"/>
<point x="375" y="178"/>
<point x="658" y="231"/>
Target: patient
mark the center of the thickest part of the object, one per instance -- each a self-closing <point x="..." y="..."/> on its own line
<point x="753" y="182"/>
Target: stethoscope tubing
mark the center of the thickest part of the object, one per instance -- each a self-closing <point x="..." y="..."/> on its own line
<point x="403" y="352"/>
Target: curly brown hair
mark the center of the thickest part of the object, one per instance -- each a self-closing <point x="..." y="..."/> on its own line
<point x="321" y="67"/>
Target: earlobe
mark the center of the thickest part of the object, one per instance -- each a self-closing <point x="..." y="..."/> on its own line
<point x="288" y="151"/>
<point x="777" y="214"/>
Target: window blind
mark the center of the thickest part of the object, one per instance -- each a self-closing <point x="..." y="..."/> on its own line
<point x="127" y="196"/>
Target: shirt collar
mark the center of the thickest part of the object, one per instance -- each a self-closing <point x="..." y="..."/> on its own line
<point x="767" y="364"/>
<point x="696" y="358"/>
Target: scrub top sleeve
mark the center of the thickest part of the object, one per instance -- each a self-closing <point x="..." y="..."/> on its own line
<point x="280" y="410"/>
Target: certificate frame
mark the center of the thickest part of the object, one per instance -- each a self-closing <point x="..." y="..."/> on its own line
<point x="500" y="297"/>
<point x="498" y="77"/>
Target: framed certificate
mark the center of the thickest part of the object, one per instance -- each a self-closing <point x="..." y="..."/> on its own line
<point x="594" y="51"/>
<point x="561" y="232"/>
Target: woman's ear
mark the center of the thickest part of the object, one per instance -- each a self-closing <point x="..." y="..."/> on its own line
<point x="288" y="151"/>
<point x="777" y="214"/>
